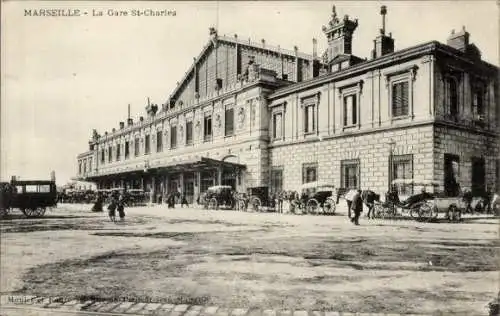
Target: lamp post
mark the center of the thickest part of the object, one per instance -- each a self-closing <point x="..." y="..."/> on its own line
<point x="391" y="144"/>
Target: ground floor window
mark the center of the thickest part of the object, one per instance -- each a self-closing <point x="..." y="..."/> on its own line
<point x="350" y="173"/>
<point x="309" y="172"/>
<point x="402" y="169"/>
<point x="451" y="174"/>
<point x="478" y="176"/>
<point x="277" y="179"/>
<point x="207" y="180"/>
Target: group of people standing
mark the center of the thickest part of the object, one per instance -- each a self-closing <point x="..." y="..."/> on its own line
<point x="116" y="204"/>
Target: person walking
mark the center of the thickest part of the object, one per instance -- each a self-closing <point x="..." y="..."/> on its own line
<point x="348" y="198"/>
<point x="120" y="207"/>
<point x="98" y="203"/>
<point x="357" y="207"/>
<point x="184" y="200"/>
<point x="112" y="209"/>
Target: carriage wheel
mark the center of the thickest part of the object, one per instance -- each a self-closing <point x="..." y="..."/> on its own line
<point x="212" y="204"/>
<point x="414" y="211"/>
<point x="4" y="212"/>
<point x="454" y="213"/>
<point x="40" y="211"/>
<point x="30" y="212"/>
<point x="378" y="210"/>
<point x="256" y="204"/>
<point x="312" y="206"/>
<point x="329" y="207"/>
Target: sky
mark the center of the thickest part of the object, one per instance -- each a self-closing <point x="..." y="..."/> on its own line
<point x="64" y="76"/>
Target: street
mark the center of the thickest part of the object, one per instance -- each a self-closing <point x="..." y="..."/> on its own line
<point x="252" y="260"/>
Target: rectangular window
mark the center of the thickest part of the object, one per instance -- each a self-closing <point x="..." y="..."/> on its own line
<point x="147" y="148"/>
<point x="159" y="141"/>
<point x="80" y="168"/>
<point x="350" y="110"/>
<point x="189" y="133"/>
<point x="229" y="117"/>
<point x="102" y="156"/>
<point x="478" y="96"/>
<point x="127" y="149"/>
<point x="110" y="154"/>
<point x="350" y="173"/>
<point x="136" y="147"/>
<point x="451" y="174"/>
<point x="309" y="118"/>
<point x="118" y="146"/>
<point x="277" y="179"/>
<point x="277" y="126"/>
<point x="400" y="99"/>
<point x="207" y="128"/>
<point x="309" y="172"/>
<point x="173" y="137"/>
<point x="402" y="168"/>
<point x="451" y="96"/>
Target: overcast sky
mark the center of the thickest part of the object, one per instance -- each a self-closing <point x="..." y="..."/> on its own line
<point x="64" y="76"/>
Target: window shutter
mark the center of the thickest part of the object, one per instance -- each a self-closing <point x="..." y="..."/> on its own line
<point x="404" y="98"/>
<point x="354" y="110"/>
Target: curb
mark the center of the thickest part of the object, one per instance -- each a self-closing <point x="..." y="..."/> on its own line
<point x="159" y="309"/>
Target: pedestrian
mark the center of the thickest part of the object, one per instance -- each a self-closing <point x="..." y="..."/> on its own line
<point x="348" y="198"/>
<point x="357" y="207"/>
<point x="112" y="209"/>
<point x="281" y="196"/>
<point x="98" y="203"/>
<point x="120" y="207"/>
<point x="184" y="200"/>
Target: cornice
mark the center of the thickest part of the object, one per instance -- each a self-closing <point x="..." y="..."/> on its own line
<point x="387" y="60"/>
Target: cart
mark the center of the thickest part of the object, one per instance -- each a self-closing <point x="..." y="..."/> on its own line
<point x="320" y="199"/>
<point x="394" y="207"/>
<point x="451" y="206"/>
<point x="259" y="199"/>
<point x="33" y="197"/>
<point x="219" y="196"/>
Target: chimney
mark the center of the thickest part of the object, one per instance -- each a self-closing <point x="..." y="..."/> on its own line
<point x="339" y="34"/>
<point x="315" y="48"/>
<point x="113" y="130"/>
<point x="263" y="43"/>
<point x="459" y="40"/>
<point x="122" y="125"/>
<point x="130" y="122"/>
<point x="383" y="44"/>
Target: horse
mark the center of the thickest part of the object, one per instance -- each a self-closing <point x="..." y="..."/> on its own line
<point x="369" y="197"/>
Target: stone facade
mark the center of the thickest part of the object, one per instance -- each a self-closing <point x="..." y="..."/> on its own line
<point x="345" y="120"/>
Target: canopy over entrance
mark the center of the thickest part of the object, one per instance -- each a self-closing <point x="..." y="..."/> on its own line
<point x="199" y="163"/>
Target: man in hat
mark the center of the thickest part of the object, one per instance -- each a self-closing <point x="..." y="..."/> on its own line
<point x="357" y="207"/>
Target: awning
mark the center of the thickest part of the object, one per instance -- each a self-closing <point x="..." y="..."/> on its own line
<point x="194" y="164"/>
<point x="174" y="165"/>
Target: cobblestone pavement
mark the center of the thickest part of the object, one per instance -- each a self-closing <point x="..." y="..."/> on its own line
<point x="13" y="305"/>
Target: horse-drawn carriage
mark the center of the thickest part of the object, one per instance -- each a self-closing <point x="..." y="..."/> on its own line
<point x="394" y="207"/>
<point x="316" y="198"/>
<point x="259" y="199"/>
<point x="219" y="196"/>
<point x="32" y="197"/>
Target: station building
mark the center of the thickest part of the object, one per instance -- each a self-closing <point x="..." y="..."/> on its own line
<point x="250" y="115"/>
